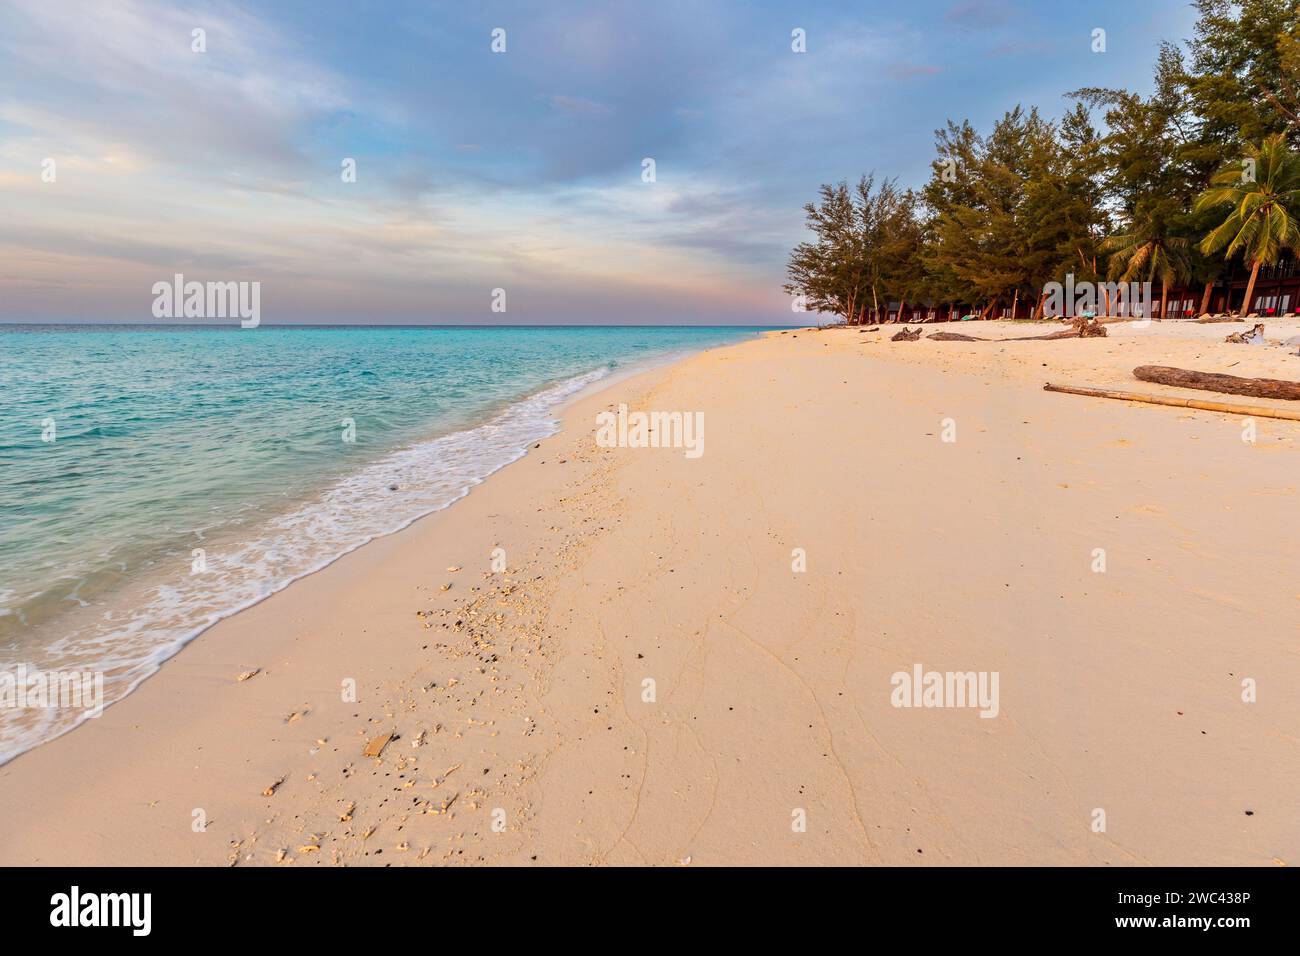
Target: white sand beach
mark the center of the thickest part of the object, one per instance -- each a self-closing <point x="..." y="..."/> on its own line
<point x="523" y="727"/>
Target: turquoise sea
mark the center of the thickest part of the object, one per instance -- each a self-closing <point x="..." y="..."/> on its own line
<point x="154" y="480"/>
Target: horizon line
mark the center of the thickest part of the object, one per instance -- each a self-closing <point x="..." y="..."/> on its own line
<point x="398" y="325"/>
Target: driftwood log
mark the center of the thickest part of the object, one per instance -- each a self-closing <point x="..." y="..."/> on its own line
<point x="1253" y="336"/>
<point x="906" y="335"/>
<point x="1216" y="382"/>
<point x="955" y="337"/>
<point x="1062" y="334"/>
<point x="1087" y="328"/>
<point x="1252" y="411"/>
<point x="1080" y="328"/>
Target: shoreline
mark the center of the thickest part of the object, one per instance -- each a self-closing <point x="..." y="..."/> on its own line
<point x="136" y="592"/>
<point x="770" y="689"/>
<point x="151" y="710"/>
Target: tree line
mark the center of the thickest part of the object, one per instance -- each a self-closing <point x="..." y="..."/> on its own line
<point x="1169" y="188"/>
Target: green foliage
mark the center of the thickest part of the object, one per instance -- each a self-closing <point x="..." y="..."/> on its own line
<point x="1244" y="79"/>
<point x="866" y="245"/>
<point x="1149" y="251"/>
<point x="1141" y="199"/>
<point x="1262" y="204"/>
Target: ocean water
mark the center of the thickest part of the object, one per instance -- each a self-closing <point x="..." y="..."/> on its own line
<point x="156" y="480"/>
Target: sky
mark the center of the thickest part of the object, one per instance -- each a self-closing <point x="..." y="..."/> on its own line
<point x="478" y="170"/>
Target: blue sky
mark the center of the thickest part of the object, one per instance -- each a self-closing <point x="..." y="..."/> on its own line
<point x="478" y="170"/>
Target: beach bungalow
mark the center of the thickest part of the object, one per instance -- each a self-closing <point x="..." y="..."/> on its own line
<point x="1276" y="292"/>
<point x="927" y="310"/>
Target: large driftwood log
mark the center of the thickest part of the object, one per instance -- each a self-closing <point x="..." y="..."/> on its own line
<point x="1215" y="382"/>
<point x="1253" y="411"/>
<point x="1062" y="334"/>
<point x="1080" y="328"/>
<point x="906" y="335"/>
<point x="1253" y="336"/>
<point x="1088" y="328"/>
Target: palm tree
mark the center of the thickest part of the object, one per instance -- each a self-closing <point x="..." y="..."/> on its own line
<point x="1264" y="195"/>
<point x="1148" y="251"/>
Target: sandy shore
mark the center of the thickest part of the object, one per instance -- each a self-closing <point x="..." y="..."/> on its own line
<point x="524" y="729"/>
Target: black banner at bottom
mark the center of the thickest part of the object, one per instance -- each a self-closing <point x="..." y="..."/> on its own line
<point x="1222" y="905"/>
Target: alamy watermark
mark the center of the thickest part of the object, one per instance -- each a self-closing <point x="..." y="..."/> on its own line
<point x="23" y="688"/>
<point x="624" y="429"/>
<point x="179" y="299"/>
<point x="75" y="908"/>
<point x="1073" y="299"/>
<point x="922" y="688"/>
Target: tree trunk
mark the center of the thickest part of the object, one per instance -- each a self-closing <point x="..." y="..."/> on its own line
<point x="1164" y="298"/>
<point x="1106" y="292"/>
<point x="1205" y="299"/>
<point x="1214" y="382"/>
<point x="1015" y="301"/>
<point x="1255" y="411"/>
<point x="1250" y="289"/>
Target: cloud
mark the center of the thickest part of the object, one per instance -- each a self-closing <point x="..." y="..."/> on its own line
<point x="474" y="170"/>
<point x="135" y="84"/>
